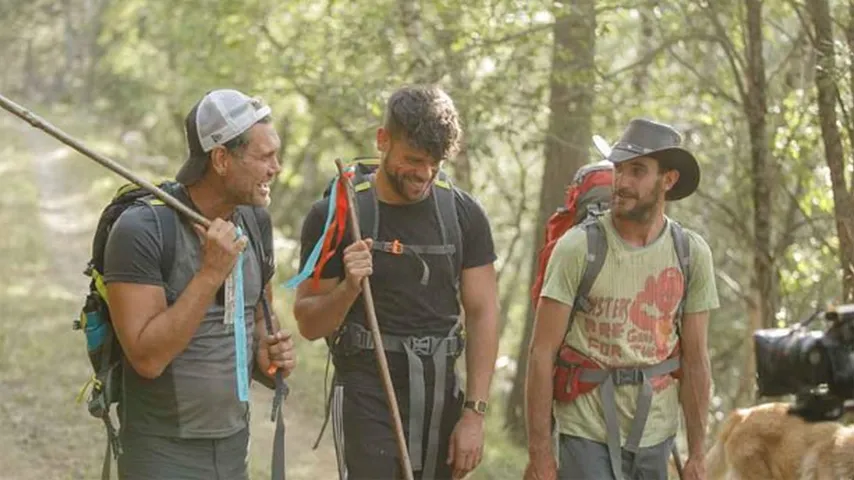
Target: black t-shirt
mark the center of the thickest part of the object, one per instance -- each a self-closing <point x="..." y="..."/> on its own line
<point x="405" y="306"/>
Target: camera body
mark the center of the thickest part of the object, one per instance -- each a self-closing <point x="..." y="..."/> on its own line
<point x="815" y="366"/>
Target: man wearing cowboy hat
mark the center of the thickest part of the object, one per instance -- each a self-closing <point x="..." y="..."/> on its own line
<point x="639" y="333"/>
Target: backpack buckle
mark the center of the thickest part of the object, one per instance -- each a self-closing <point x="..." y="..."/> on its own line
<point x="396" y="247"/>
<point x="628" y="376"/>
<point x="421" y="346"/>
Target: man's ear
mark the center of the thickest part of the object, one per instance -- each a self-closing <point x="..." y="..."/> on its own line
<point x="670" y="179"/>
<point x="383" y="140"/>
<point x="219" y="160"/>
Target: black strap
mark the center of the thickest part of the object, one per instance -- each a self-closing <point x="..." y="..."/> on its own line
<point x="169" y="229"/>
<point x="357" y="337"/>
<point x="282" y="390"/>
<point x="445" y="209"/>
<point x="252" y="218"/>
<point x="257" y="221"/>
<point x="449" y="223"/>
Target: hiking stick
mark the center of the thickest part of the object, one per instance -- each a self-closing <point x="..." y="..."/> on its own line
<point x="42" y="124"/>
<point x="379" y="351"/>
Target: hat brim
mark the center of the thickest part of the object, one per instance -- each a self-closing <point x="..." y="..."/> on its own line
<point x="193" y="169"/>
<point x="676" y="158"/>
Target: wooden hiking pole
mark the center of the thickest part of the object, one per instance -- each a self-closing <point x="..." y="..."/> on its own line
<point x="379" y="350"/>
<point x="63" y="137"/>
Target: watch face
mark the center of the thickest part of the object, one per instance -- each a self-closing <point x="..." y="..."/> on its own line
<point x="478" y="406"/>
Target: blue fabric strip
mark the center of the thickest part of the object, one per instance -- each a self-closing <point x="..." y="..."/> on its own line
<point x="308" y="269"/>
<point x="241" y="365"/>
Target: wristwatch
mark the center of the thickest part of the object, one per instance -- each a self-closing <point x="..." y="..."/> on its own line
<point x="478" y="406"/>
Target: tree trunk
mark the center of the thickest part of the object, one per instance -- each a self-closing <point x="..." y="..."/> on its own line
<point x="827" y="94"/>
<point x="566" y="149"/>
<point x="850" y="36"/>
<point x="640" y="77"/>
<point x="755" y="106"/>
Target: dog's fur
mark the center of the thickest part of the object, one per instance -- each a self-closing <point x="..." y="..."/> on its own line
<point x="766" y="442"/>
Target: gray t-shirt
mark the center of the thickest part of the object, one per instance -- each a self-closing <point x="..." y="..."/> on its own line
<point x="196" y="396"/>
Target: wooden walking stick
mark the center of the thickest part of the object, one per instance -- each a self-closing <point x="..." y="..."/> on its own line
<point x="379" y="351"/>
<point x="72" y="142"/>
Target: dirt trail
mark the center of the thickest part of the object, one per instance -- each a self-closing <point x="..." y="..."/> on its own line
<point x="67" y="229"/>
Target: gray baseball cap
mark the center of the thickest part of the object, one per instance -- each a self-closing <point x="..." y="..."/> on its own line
<point x="218" y="117"/>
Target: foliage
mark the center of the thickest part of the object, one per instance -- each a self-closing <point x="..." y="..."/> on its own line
<point x="328" y="66"/>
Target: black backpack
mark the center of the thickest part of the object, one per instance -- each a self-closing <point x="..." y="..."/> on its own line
<point x="103" y="348"/>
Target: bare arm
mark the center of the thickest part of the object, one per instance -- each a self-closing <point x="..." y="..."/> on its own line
<point x="320" y="311"/>
<point x="479" y="295"/>
<point x="550" y="325"/>
<point x="695" y="386"/>
<point x="152" y="334"/>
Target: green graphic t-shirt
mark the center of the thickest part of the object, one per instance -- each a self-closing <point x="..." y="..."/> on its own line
<point x="630" y="323"/>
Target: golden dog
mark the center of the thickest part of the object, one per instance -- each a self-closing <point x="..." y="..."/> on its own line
<point x="766" y="442"/>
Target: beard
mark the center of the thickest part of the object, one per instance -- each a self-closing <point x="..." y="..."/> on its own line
<point x="406" y="186"/>
<point x="643" y="208"/>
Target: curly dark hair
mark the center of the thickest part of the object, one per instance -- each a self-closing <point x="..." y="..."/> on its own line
<point x="425" y="116"/>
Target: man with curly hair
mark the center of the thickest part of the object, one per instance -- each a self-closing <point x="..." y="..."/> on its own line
<point x="427" y="248"/>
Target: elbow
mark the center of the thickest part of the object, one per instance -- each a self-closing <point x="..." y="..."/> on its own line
<point x="307" y="332"/>
<point x="147" y="367"/>
<point x="307" y="328"/>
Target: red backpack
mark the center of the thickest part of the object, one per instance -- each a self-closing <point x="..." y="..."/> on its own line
<point x="588" y="195"/>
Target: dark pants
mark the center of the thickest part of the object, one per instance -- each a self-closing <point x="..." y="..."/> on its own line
<point x="582" y="459"/>
<point x="365" y="429"/>
<point x="146" y="457"/>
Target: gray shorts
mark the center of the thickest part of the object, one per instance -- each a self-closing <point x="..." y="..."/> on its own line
<point x="582" y="459"/>
<point x="146" y="457"/>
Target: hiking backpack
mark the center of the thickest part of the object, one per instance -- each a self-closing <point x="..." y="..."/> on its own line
<point x="359" y="170"/>
<point x="588" y="196"/>
<point x="104" y="351"/>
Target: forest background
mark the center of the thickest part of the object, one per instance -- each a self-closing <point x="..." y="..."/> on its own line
<point x="762" y="91"/>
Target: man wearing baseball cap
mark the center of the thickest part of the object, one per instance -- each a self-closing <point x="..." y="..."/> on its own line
<point x="637" y="339"/>
<point x="184" y="407"/>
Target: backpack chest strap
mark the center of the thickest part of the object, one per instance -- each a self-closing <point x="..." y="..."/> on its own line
<point x="397" y="248"/>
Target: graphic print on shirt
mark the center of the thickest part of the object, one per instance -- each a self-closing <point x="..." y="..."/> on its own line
<point x="622" y="330"/>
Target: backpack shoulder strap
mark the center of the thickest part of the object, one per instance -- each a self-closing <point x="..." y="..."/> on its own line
<point x="260" y="228"/>
<point x="682" y="245"/>
<point x="168" y="221"/>
<point x="597" y="249"/>
<point x="444" y="194"/>
<point x="169" y="229"/>
<point x="367" y="207"/>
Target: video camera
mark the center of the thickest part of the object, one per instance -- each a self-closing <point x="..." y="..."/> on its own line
<point x="815" y="366"/>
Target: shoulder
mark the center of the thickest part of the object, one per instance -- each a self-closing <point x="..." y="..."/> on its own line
<point x="573" y="242"/>
<point x="318" y="208"/>
<point x="698" y="245"/>
<point x="139" y="217"/>
<point x="468" y="206"/>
